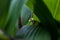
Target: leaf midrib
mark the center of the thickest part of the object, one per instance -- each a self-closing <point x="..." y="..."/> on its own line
<point x="56" y="9"/>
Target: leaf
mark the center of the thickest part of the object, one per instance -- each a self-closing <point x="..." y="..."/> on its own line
<point x="54" y="8"/>
<point x="36" y="18"/>
<point x="45" y="17"/>
<point x="3" y="36"/>
<point x="46" y="12"/>
<point x="43" y="13"/>
<point x="24" y="30"/>
<point x="4" y="7"/>
<point x="26" y="14"/>
<point x="31" y="32"/>
<point x="30" y="4"/>
<point x="39" y="36"/>
<point x="13" y="15"/>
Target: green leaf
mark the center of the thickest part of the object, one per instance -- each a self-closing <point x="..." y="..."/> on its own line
<point x="43" y="13"/>
<point x="26" y="14"/>
<point x="36" y="18"/>
<point x="4" y="7"/>
<point x="30" y="4"/>
<point x="3" y="36"/>
<point x="42" y="8"/>
<point x="31" y="32"/>
<point x="54" y="8"/>
<point x="13" y="15"/>
<point x="45" y="17"/>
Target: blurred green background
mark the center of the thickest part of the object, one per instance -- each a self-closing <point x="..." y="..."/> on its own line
<point x="30" y="19"/>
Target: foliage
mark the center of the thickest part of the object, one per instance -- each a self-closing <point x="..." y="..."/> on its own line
<point x="40" y="19"/>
